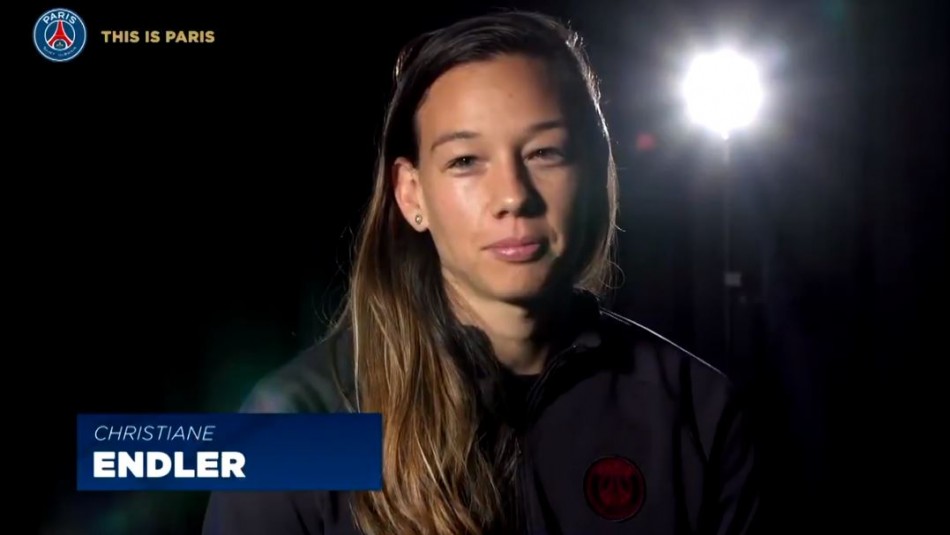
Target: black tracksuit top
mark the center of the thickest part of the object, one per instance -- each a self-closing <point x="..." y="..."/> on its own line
<point x="626" y="434"/>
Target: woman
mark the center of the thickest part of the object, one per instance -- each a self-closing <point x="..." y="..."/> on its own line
<point x="512" y="402"/>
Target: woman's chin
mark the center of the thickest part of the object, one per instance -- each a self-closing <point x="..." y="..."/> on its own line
<point x="530" y="285"/>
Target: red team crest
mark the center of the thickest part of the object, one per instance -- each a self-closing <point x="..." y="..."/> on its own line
<point x="615" y="488"/>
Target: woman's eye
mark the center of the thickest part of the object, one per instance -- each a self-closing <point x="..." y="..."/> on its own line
<point x="547" y="154"/>
<point x="462" y="162"/>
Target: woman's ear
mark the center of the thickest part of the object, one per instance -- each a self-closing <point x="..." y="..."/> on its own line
<point x="408" y="192"/>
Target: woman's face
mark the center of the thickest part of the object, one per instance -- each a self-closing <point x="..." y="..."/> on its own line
<point x="495" y="183"/>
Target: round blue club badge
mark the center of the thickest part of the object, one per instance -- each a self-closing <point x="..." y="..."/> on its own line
<point x="59" y="35"/>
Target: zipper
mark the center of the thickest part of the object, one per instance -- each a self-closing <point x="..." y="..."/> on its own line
<point x="537" y="389"/>
<point x="535" y="396"/>
<point x="524" y="509"/>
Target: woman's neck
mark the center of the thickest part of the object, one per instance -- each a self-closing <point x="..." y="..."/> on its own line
<point x="520" y="334"/>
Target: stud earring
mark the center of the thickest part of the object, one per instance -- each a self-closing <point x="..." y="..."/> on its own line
<point x="418" y="219"/>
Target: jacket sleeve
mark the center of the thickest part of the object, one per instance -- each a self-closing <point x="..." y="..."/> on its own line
<point x="733" y="473"/>
<point x="263" y="513"/>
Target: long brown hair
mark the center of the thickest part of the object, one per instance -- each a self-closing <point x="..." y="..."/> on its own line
<point x="446" y="468"/>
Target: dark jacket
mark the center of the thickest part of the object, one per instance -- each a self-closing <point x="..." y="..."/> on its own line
<point x="626" y="434"/>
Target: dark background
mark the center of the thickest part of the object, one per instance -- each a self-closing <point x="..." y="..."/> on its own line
<point x="183" y="216"/>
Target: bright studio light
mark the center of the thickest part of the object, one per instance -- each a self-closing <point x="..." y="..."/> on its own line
<point x="722" y="91"/>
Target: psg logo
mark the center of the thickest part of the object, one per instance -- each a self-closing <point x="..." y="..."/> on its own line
<point x="59" y="35"/>
<point x="615" y="488"/>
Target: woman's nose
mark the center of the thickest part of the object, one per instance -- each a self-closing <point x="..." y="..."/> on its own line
<point x="512" y="192"/>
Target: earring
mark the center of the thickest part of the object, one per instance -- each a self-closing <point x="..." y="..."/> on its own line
<point x="418" y="219"/>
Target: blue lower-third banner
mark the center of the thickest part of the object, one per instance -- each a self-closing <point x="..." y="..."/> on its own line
<point x="229" y="452"/>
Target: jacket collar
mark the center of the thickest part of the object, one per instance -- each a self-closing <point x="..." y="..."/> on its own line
<point x="578" y="333"/>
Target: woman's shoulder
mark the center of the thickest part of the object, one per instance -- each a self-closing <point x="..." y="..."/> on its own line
<point x="318" y="379"/>
<point x="697" y="389"/>
<point x="653" y="358"/>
